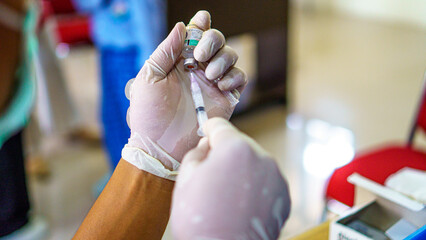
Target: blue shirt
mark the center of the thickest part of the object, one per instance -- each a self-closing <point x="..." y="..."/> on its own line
<point x="124" y="23"/>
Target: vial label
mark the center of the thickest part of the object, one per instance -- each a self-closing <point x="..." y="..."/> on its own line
<point x="191" y="42"/>
<point x="193" y="36"/>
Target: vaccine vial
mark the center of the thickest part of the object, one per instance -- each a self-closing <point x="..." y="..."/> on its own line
<point x="193" y="36"/>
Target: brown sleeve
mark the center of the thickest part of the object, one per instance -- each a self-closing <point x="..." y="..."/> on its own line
<point x="134" y="205"/>
<point x="17" y="5"/>
<point x="10" y="50"/>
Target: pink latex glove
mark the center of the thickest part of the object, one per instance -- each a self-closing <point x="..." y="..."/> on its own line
<point x="228" y="188"/>
<point x="161" y="115"/>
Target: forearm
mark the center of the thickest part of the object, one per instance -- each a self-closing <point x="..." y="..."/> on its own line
<point x="134" y="205"/>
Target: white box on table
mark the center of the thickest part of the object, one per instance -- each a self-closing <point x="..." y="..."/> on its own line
<point x="380" y="208"/>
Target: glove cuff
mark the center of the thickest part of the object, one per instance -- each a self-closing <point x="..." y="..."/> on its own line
<point x="143" y="161"/>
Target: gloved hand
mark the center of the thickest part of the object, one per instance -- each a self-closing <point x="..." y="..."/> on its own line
<point x="161" y="115"/>
<point x="228" y="188"/>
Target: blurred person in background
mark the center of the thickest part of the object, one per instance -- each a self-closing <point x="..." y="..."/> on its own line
<point x="17" y="89"/>
<point x="125" y="33"/>
<point x="228" y="186"/>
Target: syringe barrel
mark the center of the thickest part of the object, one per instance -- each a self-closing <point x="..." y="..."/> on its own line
<point x="202" y="118"/>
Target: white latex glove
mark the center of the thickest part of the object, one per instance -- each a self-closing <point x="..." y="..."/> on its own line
<point x="161" y="115"/>
<point x="228" y="188"/>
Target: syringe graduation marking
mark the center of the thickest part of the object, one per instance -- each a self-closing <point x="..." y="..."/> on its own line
<point x="197" y="97"/>
<point x="198" y="109"/>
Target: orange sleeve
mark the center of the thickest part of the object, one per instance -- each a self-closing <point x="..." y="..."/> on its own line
<point x="134" y="205"/>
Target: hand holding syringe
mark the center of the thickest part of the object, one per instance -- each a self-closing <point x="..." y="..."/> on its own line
<point x="160" y="97"/>
<point x="193" y="36"/>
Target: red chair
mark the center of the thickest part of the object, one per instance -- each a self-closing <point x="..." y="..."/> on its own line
<point x="378" y="164"/>
<point x="70" y="27"/>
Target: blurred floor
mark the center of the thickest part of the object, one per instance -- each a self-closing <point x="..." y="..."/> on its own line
<point x="362" y="75"/>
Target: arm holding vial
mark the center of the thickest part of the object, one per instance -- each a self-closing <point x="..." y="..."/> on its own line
<point x="135" y="204"/>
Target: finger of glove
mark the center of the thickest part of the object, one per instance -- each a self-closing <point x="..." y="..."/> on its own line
<point x="165" y="56"/>
<point x="202" y="20"/>
<point x="128" y="117"/>
<point x="128" y="88"/>
<point x="219" y="130"/>
<point x="211" y="41"/>
<point x="221" y="62"/>
<point x="234" y="79"/>
<point x="191" y="162"/>
<point x="198" y="153"/>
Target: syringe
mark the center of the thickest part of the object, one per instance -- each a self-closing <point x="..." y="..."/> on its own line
<point x="200" y="109"/>
<point x="193" y="36"/>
